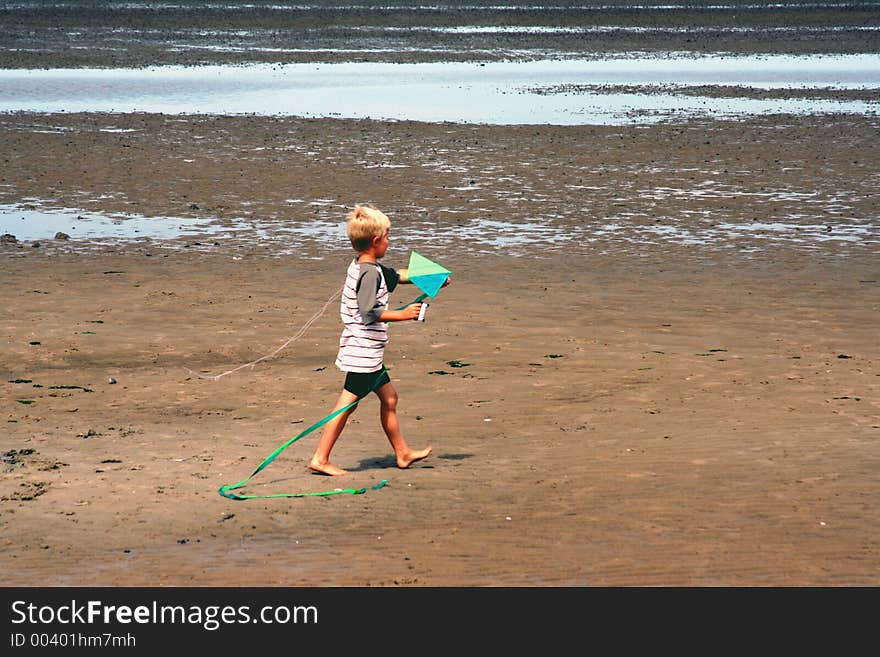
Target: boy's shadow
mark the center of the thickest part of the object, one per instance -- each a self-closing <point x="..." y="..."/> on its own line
<point x="385" y="462"/>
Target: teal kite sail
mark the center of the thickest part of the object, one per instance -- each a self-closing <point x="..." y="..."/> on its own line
<point x="426" y="274"/>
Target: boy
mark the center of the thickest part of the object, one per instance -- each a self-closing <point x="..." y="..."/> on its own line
<point x="364" y="311"/>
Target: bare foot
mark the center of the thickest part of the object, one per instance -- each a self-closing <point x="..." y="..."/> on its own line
<point x="412" y="457"/>
<point x="326" y="468"/>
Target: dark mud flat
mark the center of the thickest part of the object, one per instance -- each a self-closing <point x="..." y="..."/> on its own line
<point x="714" y="91"/>
<point x="105" y="34"/>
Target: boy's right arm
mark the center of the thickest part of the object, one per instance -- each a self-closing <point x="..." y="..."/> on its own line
<point x="402" y="315"/>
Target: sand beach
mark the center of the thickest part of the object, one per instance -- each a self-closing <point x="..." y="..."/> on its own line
<point x="656" y="364"/>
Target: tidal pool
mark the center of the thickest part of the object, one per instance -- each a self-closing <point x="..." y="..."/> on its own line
<point x="634" y="89"/>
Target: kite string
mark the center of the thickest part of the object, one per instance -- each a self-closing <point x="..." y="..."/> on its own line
<point x="314" y="318"/>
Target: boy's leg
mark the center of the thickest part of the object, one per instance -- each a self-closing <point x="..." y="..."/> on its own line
<point x="405" y="456"/>
<point x="321" y="460"/>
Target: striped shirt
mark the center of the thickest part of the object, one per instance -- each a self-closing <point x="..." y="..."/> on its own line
<point x="364" y="298"/>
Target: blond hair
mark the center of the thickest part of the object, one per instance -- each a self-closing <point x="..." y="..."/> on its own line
<point x="364" y="223"/>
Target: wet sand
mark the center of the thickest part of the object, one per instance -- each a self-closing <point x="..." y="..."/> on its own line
<point x="622" y="408"/>
<point x="105" y="34"/>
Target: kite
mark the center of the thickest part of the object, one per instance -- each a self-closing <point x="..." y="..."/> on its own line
<point x="426" y="275"/>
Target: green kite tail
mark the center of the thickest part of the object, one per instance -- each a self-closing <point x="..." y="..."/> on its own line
<point x="225" y="491"/>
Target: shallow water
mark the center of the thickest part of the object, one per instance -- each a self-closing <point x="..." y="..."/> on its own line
<point x="547" y="234"/>
<point x="533" y="92"/>
<point x="27" y="222"/>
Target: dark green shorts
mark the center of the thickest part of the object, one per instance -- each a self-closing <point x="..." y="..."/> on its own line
<point x="360" y="383"/>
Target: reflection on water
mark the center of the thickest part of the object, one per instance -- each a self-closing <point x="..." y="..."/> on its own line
<point x="27" y="222"/>
<point x="633" y="89"/>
